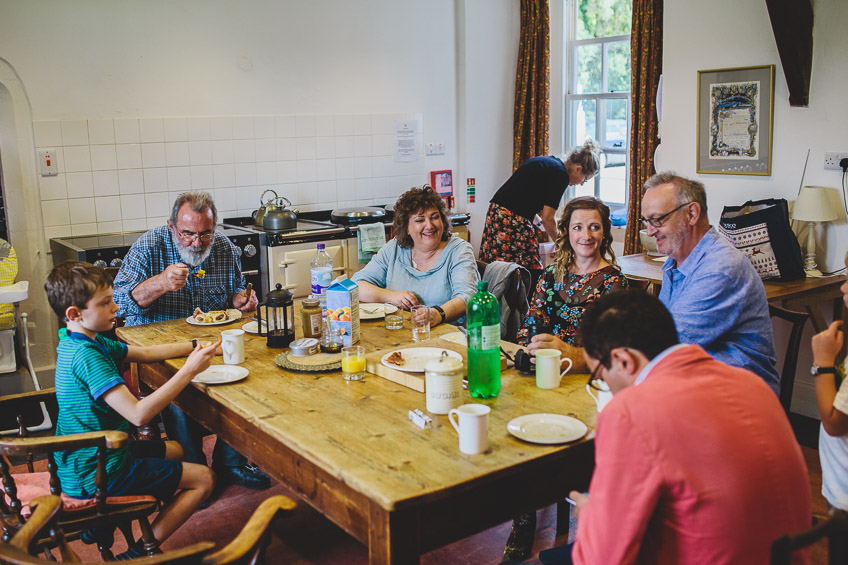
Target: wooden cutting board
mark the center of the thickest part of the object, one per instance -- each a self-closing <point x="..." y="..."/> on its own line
<point x="415" y="381"/>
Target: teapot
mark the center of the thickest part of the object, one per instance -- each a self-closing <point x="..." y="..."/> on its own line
<point x="259" y="215"/>
<point x="278" y="217"/>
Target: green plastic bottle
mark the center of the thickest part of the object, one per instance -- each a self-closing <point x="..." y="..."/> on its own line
<point x="484" y="343"/>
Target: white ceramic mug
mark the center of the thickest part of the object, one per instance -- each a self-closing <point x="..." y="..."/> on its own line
<point x="233" y="346"/>
<point x="548" y="362"/>
<point x="604" y="394"/>
<point x="473" y="427"/>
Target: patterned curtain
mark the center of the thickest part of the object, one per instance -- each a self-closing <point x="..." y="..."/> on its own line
<point x="645" y="69"/>
<point x="532" y="83"/>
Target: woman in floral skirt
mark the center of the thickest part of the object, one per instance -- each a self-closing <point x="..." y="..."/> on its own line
<point x="534" y="190"/>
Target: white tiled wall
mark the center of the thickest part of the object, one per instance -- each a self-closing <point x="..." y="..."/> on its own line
<point x="123" y="174"/>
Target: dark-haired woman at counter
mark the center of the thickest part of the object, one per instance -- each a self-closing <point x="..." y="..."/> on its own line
<point x="424" y="263"/>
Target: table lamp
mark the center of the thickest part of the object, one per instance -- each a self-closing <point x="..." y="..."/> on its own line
<point x="811" y="206"/>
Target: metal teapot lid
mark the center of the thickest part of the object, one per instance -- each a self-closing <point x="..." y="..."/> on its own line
<point x="443" y="364"/>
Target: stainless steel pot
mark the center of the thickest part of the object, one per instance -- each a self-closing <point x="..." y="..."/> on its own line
<point x="363" y="215"/>
<point x="278" y="217"/>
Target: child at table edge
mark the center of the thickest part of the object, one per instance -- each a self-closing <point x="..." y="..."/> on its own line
<point x="92" y="396"/>
<point x="833" y="411"/>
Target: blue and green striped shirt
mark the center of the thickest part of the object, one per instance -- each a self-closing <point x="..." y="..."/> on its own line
<point x="85" y="370"/>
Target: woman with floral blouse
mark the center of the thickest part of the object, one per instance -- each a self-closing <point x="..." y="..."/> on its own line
<point x="584" y="269"/>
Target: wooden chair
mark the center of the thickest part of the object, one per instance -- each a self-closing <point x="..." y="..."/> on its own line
<point x="793" y="346"/>
<point x="77" y="516"/>
<point x="833" y="527"/>
<point x="641" y="284"/>
<point x="247" y="548"/>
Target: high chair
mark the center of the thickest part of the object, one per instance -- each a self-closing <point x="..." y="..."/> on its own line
<point x="13" y="323"/>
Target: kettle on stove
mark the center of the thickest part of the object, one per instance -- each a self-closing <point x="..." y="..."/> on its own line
<point x="278" y="217"/>
<point x="259" y="215"/>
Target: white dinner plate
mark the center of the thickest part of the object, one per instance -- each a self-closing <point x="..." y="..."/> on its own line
<point x="253" y="327"/>
<point x="455" y="337"/>
<point x="371" y="311"/>
<point x="415" y="358"/>
<point x="547" y="429"/>
<point x="230" y="318"/>
<point x="221" y="374"/>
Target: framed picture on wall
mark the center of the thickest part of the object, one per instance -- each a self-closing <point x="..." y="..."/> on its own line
<point x="735" y="119"/>
<point x="442" y="181"/>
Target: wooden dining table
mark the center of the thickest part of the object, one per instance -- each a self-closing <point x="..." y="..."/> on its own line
<point x="349" y="449"/>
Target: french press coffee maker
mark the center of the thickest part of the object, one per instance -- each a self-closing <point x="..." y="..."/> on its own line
<point x="279" y="317"/>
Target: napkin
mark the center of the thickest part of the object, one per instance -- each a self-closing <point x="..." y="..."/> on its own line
<point x="369" y="239"/>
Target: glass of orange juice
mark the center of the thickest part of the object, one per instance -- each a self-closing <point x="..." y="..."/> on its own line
<point x="353" y="362"/>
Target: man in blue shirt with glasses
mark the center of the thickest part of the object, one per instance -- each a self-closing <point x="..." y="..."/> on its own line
<point x="713" y="292"/>
<point x="170" y="271"/>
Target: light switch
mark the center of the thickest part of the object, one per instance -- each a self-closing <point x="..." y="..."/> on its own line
<point x="47" y="163"/>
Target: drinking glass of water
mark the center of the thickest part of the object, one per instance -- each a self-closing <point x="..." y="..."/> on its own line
<point x="394" y="316"/>
<point x="420" y="320"/>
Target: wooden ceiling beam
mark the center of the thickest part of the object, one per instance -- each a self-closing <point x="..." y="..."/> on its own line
<point x="792" y="24"/>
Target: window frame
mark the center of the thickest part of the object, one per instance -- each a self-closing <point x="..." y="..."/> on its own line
<point x="570" y="96"/>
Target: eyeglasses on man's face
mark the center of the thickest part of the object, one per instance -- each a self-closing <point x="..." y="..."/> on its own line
<point x="660" y="220"/>
<point x="191" y="237"/>
<point x="596" y="373"/>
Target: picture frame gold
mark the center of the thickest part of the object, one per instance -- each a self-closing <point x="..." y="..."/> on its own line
<point x="735" y="120"/>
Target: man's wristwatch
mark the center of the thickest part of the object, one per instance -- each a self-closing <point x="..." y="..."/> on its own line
<point x="815" y="370"/>
<point x="441" y="312"/>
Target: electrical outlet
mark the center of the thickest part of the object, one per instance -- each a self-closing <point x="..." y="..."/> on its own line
<point x="831" y="160"/>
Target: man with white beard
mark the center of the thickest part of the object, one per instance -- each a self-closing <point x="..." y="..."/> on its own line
<point x="170" y="271"/>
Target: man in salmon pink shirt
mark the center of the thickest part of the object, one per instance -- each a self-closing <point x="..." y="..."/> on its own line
<point x="695" y="460"/>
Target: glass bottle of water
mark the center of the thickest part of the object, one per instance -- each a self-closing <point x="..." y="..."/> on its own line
<point x="484" y="343"/>
<point x="321" y="275"/>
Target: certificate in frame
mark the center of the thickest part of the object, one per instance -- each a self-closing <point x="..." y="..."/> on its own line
<point x="735" y="119"/>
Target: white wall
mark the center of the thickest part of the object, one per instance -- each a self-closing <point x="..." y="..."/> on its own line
<point x="700" y="35"/>
<point x="115" y="59"/>
<point x="489" y="38"/>
<point x="725" y="33"/>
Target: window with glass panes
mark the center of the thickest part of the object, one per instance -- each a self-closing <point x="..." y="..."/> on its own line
<point x="598" y="90"/>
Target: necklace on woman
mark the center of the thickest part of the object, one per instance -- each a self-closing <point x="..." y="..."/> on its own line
<point x="424" y="261"/>
<point x="587" y="269"/>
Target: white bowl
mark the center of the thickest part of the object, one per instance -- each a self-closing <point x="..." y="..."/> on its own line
<point x="649" y="243"/>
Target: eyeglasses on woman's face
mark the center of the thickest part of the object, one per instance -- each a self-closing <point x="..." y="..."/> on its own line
<point x="660" y="220"/>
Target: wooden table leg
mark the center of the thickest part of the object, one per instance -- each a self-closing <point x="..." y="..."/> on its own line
<point x="393" y="537"/>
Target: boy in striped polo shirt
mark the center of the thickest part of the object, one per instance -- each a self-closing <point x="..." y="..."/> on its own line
<point x="92" y="396"/>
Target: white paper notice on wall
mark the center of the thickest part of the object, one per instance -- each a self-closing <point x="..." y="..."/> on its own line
<point x="406" y="149"/>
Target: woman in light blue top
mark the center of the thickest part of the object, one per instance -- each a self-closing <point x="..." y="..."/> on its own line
<point x="424" y="263"/>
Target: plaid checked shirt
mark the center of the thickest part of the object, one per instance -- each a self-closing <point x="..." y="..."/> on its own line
<point x="152" y="253"/>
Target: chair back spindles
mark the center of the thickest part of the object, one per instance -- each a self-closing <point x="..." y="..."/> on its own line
<point x="55" y="483"/>
<point x="11" y="491"/>
<point x="100" y="478"/>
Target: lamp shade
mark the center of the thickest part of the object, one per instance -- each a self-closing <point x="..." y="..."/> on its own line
<point x="813" y="205"/>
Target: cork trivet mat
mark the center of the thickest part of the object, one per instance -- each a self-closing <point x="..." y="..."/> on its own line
<point x="316" y="362"/>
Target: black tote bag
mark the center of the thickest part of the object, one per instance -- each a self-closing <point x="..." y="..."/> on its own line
<point x="761" y="230"/>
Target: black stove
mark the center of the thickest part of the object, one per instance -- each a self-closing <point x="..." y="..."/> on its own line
<point x="108" y="250"/>
<point x="306" y="231"/>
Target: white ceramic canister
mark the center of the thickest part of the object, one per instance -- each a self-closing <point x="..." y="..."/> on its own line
<point x="443" y="384"/>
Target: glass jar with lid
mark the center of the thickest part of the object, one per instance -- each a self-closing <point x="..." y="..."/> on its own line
<point x="310" y="317"/>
